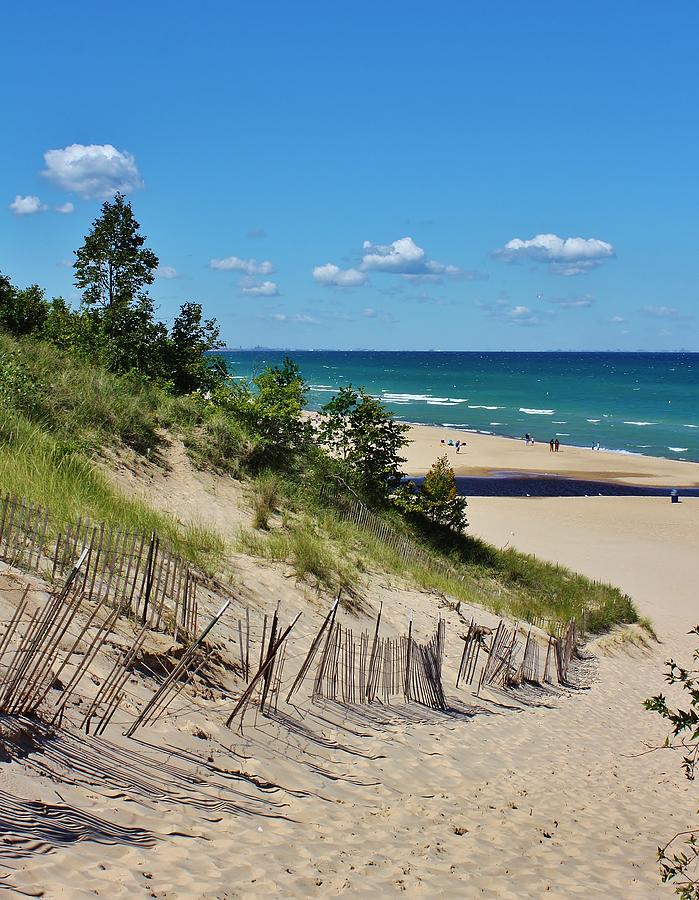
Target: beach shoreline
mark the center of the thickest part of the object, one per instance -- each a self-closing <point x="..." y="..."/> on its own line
<point x="490" y="455"/>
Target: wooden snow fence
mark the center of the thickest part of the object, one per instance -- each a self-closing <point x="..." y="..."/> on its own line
<point x="266" y="683"/>
<point x="133" y="571"/>
<point x="366" y="668"/>
<point x="46" y="655"/>
<point x="509" y="664"/>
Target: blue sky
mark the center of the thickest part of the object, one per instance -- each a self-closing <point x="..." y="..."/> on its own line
<point x="452" y="175"/>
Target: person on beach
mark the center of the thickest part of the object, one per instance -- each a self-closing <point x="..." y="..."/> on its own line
<point x="551" y="446"/>
<point x="526" y="439"/>
<point x="556" y="445"/>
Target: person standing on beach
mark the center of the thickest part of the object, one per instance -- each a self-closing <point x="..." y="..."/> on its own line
<point x="551" y="446"/>
<point x="557" y="445"/>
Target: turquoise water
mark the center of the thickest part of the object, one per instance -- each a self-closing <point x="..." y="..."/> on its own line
<point x="645" y="403"/>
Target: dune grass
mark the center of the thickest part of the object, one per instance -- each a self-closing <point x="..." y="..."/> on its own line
<point x="303" y="548"/>
<point x="43" y="469"/>
<point x="321" y="542"/>
<point x="57" y="411"/>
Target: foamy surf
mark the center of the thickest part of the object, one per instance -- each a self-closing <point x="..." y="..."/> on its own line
<point x="537" y="412"/>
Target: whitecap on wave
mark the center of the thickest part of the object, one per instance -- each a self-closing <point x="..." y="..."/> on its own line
<point x="640" y="423"/>
<point x="594" y="421"/>
<point x="678" y="449"/>
<point x="485" y="407"/>
<point x="537" y="412"/>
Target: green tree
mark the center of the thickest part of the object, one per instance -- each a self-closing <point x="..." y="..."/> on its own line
<point x="113" y="267"/>
<point x="679" y="858"/>
<point x="128" y="338"/>
<point x="21" y="311"/>
<point x="190" y="339"/>
<point x="62" y="326"/>
<point x="439" y="499"/>
<point x="272" y="412"/>
<point x="365" y="437"/>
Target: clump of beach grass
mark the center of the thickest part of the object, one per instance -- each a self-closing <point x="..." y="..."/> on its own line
<point x="266" y="499"/>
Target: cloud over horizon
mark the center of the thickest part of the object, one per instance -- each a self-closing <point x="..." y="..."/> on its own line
<point x="94" y="171"/>
<point x="564" y="256"/>
<point x="518" y="314"/>
<point x="262" y="289"/>
<point x="290" y="318"/>
<point x="27" y="206"/>
<point x="664" y="312"/>
<point x="247" y="266"/>
<point x="167" y="272"/>
<point x="404" y="257"/>
<point x="334" y="276"/>
<point x="573" y="302"/>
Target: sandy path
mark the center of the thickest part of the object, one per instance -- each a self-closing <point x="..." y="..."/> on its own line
<point x="545" y="795"/>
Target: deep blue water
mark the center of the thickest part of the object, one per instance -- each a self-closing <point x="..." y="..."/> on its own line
<point x="644" y="403"/>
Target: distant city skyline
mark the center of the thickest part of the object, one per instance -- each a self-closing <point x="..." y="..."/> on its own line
<point x="463" y="177"/>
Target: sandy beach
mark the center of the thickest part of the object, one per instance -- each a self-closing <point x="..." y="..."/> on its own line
<point x="503" y="796"/>
<point x="484" y="454"/>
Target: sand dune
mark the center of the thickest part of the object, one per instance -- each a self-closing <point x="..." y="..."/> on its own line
<point x="525" y="794"/>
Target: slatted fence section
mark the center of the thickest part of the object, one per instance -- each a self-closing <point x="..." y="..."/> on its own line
<point x="133" y="571"/>
<point x="366" y="668"/>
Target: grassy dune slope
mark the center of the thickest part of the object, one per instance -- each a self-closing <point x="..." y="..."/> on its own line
<point x="57" y="413"/>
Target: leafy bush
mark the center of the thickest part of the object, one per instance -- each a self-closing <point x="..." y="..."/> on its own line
<point x="679" y="858"/>
<point x="365" y="437"/>
<point x="436" y="498"/>
<point x="271" y="411"/>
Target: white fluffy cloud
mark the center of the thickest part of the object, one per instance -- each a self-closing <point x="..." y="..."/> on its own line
<point x="92" y="170"/>
<point x="27" y="206"/>
<point x="402" y="257"/>
<point x="167" y="272"/>
<point x="65" y="208"/>
<point x="264" y="289"/>
<point x="564" y="256"/>
<point x="334" y="276"/>
<point x="247" y="266"/>
<point x="405" y="257"/>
